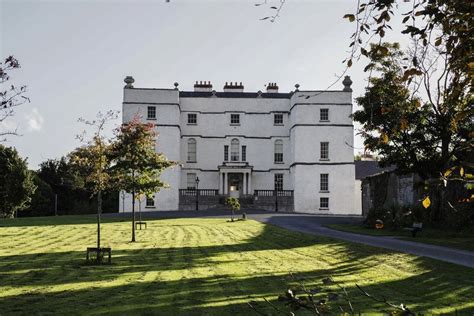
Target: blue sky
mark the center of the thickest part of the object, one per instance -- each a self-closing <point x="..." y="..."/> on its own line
<point x="75" y="54"/>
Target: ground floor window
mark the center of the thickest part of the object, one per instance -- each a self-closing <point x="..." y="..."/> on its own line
<point x="279" y="181"/>
<point x="324" y="203"/>
<point x="191" y="181"/>
<point x="150" y="202"/>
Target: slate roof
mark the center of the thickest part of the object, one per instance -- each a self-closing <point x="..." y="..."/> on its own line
<point x="206" y="94"/>
<point x="366" y="168"/>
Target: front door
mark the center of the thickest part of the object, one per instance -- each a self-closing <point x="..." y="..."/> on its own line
<point x="235" y="184"/>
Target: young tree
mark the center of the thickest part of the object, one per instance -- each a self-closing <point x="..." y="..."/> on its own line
<point x="136" y="164"/>
<point x="94" y="161"/>
<point x="16" y="183"/>
<point x="11" y="97"/>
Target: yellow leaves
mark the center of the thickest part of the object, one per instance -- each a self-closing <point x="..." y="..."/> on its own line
<point x="426" y="202"/>
<point x="448" y="172"/>
<point x="384" y="138"/>
<point x="461" y="171"/>
<point x="471" y="65"/>
<point x="403" y="124"/>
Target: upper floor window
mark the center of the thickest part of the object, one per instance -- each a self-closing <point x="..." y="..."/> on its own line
<point x="278" y="151"/>
<point x="192" y="118"/>
<point x="226" y="152"/>
<point x="151" y="113"/>
<point x="324" y="150"/>
<point x="279" y="181"/>
<point x="278" y="119"/>
<point x="324" y="203"/>
<point x="324" y="114"/>
<point x="235" y="119"/>
<point x="150" y="202"/>
<point x="191" y="181"/>
<point x="324" y="182"/>
<point x="191" y="150"/>
<point x="244" y="153"/>
<point x="234" y="150"/>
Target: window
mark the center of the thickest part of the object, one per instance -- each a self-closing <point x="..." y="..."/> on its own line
<point x="324" y="203"/>
<point x="278" y="119"/>
<point x="279" y="181"/>
<point x="324" y="182"/>
<point x="191" y="181"/>
<point x="324" y="114"/>
<point x="278" y="151"/>
<point x="234" y="150"/>
<point x="192" y="118"/>
<point x="150" y="202"/>
<point x="324" y="150"/>
<point x="151" y="113"/>
<point x="235" y="119"/>
<point x="244" y="153"/>
<point x="191" y="150"/>
<point x="226" y="152"/>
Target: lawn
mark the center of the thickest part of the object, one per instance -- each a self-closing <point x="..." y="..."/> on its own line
<point x="204" y="267"/>
<point x="460" y="240"/>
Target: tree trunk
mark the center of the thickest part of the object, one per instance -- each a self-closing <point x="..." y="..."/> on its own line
<point x="99" y="211"/>
<point x="133" y="216"/>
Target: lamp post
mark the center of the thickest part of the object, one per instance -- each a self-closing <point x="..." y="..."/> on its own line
<point x="197" y="193"/>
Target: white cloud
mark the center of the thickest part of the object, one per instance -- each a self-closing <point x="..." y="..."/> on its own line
<point x="34" y="120"/>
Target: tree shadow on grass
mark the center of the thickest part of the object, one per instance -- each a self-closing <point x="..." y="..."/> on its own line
<point x="228" y="295"/>
<point x="160" y="280"/>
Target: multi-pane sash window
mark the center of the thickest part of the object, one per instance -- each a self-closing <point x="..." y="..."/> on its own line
<point x="278" y="151"/>
<point x="191" y="181"/>
<point x="192" y="118"/>
<point x="324" y="150"/>
<point x="324" y="203"/>
<point x="279" y="181"/>
<point x="324" y="182"/>
<point x="278" y="119"/>
<point x="324" y="114"/>
<point x="151" y="113"/>
<point x="235" y="119"/>
<point x="234" y="150"/>
<point x="244" y="153"/>
<point x="150" y="202"/>
<point x="226" y="152"/>
<point x="191" y="150"/>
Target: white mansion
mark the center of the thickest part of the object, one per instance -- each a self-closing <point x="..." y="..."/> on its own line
<point x="285" y="151"/>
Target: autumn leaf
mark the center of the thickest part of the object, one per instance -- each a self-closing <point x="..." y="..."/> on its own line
<point x="461" y="171"/>
<point x="426" y="202"/>
<point x="403" y="124"/>
<point x="384" y="138"/>
<point x="448" y="172"/>
<point x="351" y="17"/>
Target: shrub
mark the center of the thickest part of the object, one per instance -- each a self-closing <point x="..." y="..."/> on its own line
<point x="234" y="205"/>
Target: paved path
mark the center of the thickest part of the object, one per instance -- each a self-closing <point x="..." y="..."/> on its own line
<point x="313" y="224"/>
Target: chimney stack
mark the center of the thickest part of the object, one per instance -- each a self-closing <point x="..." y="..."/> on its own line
<point x="272" y="87"/>
<point x="203" y="86"/>
<point x="233" y="87"/>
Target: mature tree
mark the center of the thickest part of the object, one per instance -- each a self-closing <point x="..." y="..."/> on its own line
<point x="93" y="160"/>
<point x="11" y="96"/>
<point x="16" y="183"/>
<point x="42" y="201"/>
<point x="136" y="164"/>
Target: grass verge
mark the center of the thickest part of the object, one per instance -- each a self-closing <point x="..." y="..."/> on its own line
<point x="458" y="240"/>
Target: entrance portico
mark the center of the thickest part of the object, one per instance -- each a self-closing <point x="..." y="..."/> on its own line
<point x="235" y="178"/>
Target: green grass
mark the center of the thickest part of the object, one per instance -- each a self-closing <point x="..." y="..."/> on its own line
<point x="204" y="267"/>
<point x="458" y="240"/>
